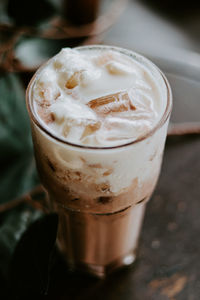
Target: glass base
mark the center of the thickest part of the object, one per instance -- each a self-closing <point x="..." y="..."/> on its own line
<point x="102" y="271"/>
<point x="99" y="244"/>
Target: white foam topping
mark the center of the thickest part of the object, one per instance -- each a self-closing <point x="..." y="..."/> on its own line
<point x="97" y="97"/>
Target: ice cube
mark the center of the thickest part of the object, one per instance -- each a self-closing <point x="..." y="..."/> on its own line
<point x="116" y="129"/>
<point x="72" y="111"/>
<point x="74" y="80"/>
<point x="45" y="115"/>
<point x="87" y="76"/>
<point x="117" y="68"/>
<point x="113" y="103"/>
<point x="91" y="128"/>
<point x="46" y="93"/>
<point x="104" y="58"/>
<point x="66" y="129"/>
<point x="90" y="140"/>
<point x="82" y="77"/>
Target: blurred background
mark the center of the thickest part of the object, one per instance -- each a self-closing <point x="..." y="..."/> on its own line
<point x="168" y="32"/>
<point x="31" y="31"/>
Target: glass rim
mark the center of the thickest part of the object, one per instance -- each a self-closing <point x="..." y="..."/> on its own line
<point x="157" y="126"/>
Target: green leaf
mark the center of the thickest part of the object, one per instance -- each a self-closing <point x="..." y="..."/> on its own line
<point x="18" y="173"/>
<point x="19" y="177"/>
<point x="4" y="18"/>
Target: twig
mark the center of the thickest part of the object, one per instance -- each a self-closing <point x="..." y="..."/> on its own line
<point x="27" y="198"/>
<point x="184" y="128"/>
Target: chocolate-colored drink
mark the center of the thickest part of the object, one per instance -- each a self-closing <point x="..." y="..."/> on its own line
<point x="99" y="119"/>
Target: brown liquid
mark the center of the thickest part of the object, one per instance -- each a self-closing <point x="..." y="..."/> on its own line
<point x="98" y="231"/>
<point x="98" y="243"/>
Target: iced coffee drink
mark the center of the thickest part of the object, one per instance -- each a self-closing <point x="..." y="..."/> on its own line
<point x="99" y="119"/>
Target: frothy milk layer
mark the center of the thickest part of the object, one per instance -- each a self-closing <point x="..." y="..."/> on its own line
<point x="97" y="97"/>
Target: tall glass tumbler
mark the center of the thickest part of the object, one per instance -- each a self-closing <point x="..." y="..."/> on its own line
<point x="99" y="226"/>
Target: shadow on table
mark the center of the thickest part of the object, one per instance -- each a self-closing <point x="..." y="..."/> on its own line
<point x="38" y="270"/>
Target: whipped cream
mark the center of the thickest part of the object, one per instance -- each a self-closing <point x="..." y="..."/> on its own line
<point x="97" y="98"/>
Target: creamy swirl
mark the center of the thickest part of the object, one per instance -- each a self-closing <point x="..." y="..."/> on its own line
<point x="96" y="97"/>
